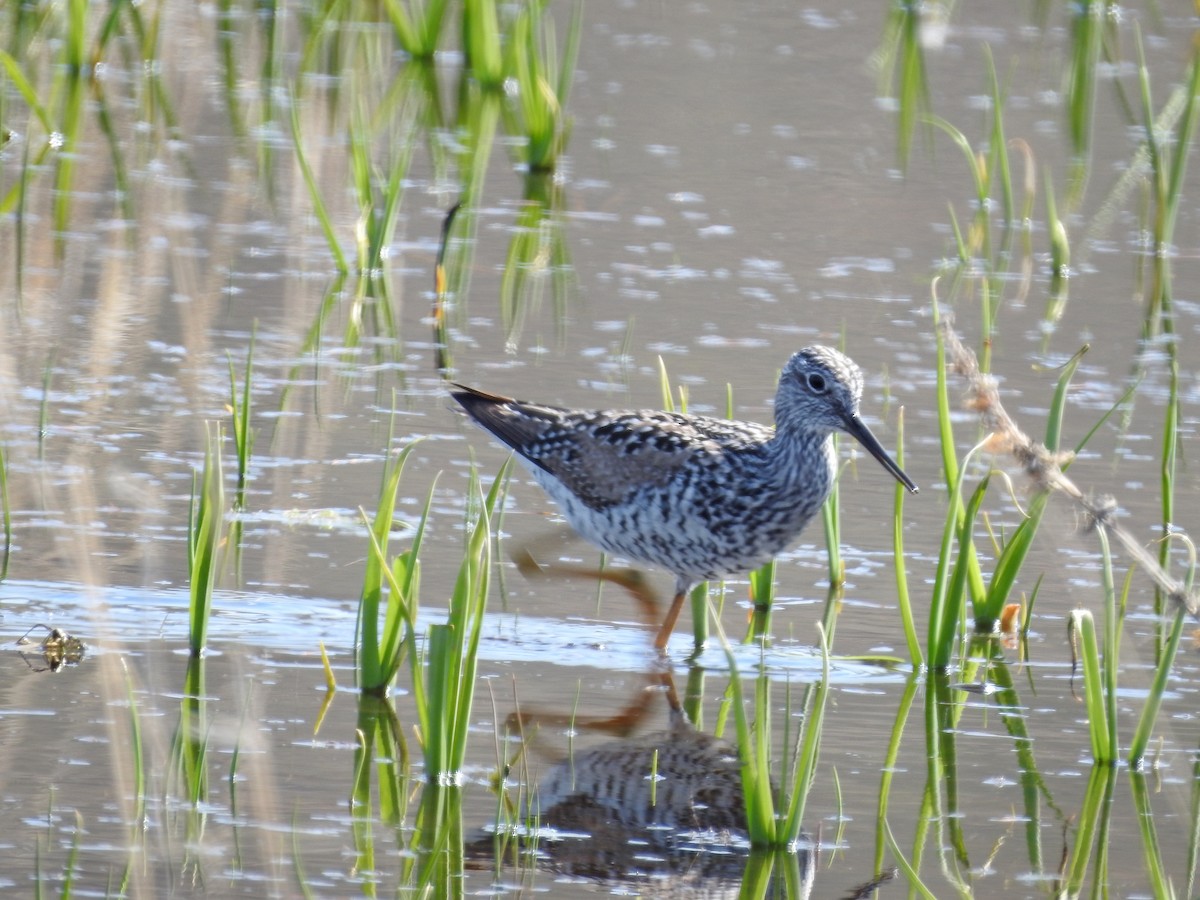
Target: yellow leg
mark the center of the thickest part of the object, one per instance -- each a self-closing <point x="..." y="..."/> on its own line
<point x="630" y="579"/>
<point x="621" y="724"/>
<point x="668" y="625"/>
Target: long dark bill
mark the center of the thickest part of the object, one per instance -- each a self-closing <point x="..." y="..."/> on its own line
<point x="858" y="429"/>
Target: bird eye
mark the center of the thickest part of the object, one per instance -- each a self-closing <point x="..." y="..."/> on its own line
<point x="816" y="383"/>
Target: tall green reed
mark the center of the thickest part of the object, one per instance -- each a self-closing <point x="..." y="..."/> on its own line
<point x="1087" y="37"/>
<point x="538" y="256"/>
<point x="379" y="652"/>
<point x="418" y="25"/>
<point x="1100" y="672"/>
<point x="1100" y="656"/>
<point x="831" y="519"/>
<point x="138" y="820"/>
<point x="903" y="596"/>
<point x="543" y="83"/>
<point x="381" y="137"/>
<point x="482" y="42"/>
<point x="1099" y="661"/>
<point x="206" y="539"/>
<point x="1167" y="655"/>
<point x="243" y="444"/>
<point x="944" y="606"/>
<point x="901" y="63"/>
<point x="452" y="651"/>
<point x="1091" y="845"/>
<point x="320" y="211"/>
<point x="1168" y="165"/>
<point x="772" y="823"/>
<point x="888" y="769"/>
<point x="54" y="59"/>
<point x="960" y="576"/>
<point x="189" y="772"/>
<point x="982" y="259"/>
<point x="75" y="70"/>
<point x="443" y="674"/>
<point x="379" y="190"/>
<point x="381" y="787"/>
<point x="1156" y="867"/>
<point x="243" y="434"/>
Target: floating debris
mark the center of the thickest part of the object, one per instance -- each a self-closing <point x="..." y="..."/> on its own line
<point x="59" y="648"/>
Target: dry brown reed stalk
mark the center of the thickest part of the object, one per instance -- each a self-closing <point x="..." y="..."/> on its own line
<point x="1044" y="467"/>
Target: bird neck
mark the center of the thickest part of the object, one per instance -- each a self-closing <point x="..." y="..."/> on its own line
<point x="803" y="457"/>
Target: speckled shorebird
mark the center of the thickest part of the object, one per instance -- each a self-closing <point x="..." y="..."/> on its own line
<point x="700" y="497"/>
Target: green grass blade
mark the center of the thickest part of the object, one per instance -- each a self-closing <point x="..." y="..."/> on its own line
<point x="139" y="760"/>
<point x="16" y="75"/>
<point x="951" y="570"/>
<point x="914" y="880"/>
<point x="402" y="24"/>
<point x="905" y="50"/>
<point x="762" y="599"/>
<point x="831" y="519"/>
<point x="402" y="606"/>
<point x="431" y="25"/>
<point x="902" y="596"/>
<point x="1113" y="616"/>
<point x="1016" y="549"/>
<point x="372" y="668"/>
<point x="998" y="142"/>
<point x="958" y="582"/>
<point x="1060" y="244"/>
<point x="481" y="40"/>
<point x="1183" y="143"/>
<point x="761" y="826"/>
<point x="664" y="386"/>
<point x="1156" y="871"/>
<point x="1091" y="820"/>
<point x="1193" y="831"/>
<point x="205" y="538"/>
<point x="314" y="192"/>
<point x="243" y="434"/>
<point x="566" y="69"/>
<point x="1145" y="726"/>
<point x="1059" y="402"/>
<point x="950" y="463"/>
<point x="889" y="769"/>
<point x="1084" y="628"/>
<point x="454" y="649"/>
<point x="1012" y="559"/>
<point x="1086" y="31"/>
<point x="809" y="751"/>
<point x="978" y="170"/>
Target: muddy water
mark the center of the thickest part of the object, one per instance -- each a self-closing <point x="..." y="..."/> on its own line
<point x="732" y="193"/>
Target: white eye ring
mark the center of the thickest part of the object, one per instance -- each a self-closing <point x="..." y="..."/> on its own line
<point x="816" y="383"/>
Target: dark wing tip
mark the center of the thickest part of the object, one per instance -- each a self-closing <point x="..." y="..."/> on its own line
<point x="479" y="405"/>
<point x="467" y="395"/>
<point x="493" y="412"/>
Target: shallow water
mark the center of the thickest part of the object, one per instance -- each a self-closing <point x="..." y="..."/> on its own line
<point x="732" y="193"/>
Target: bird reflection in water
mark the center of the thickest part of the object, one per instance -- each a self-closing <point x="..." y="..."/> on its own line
<point x="656" y="815"/>
<point x="662" y="813"/>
